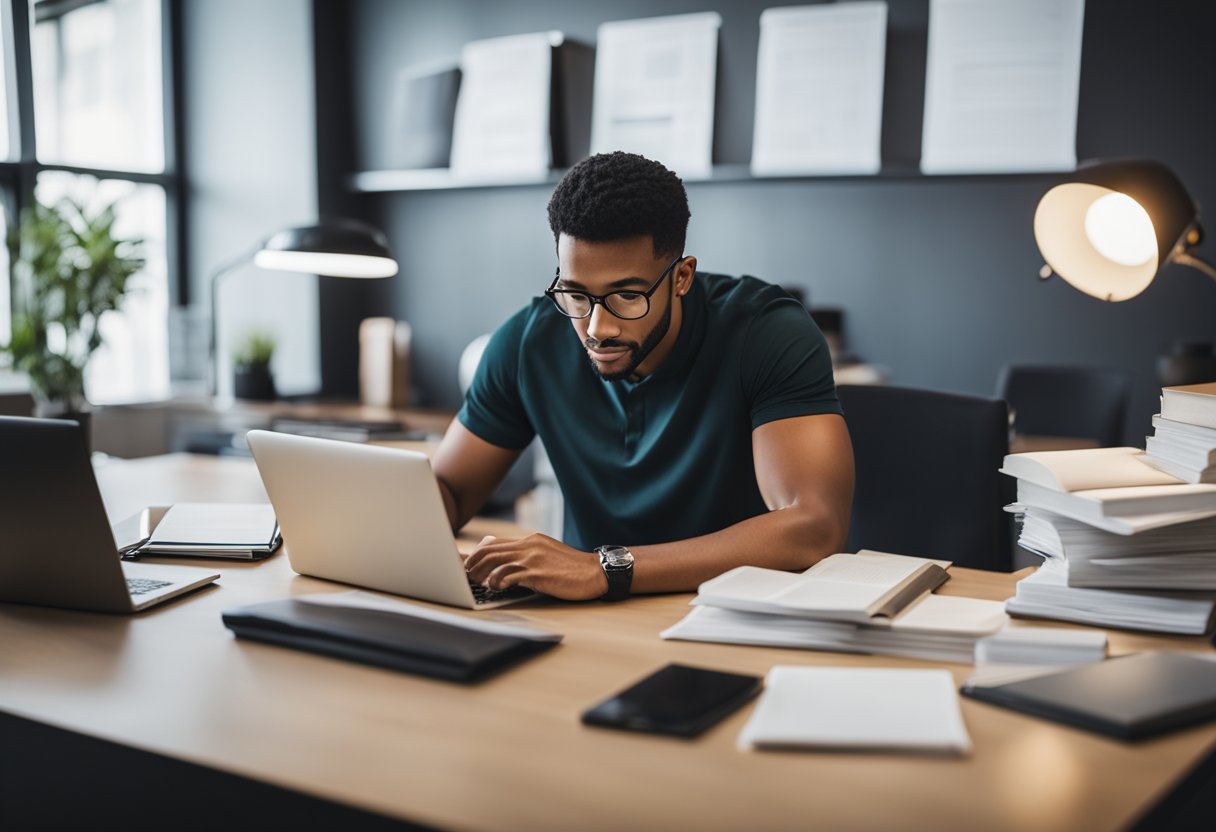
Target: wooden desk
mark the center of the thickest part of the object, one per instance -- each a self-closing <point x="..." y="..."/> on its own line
<point x="510" y="753"/>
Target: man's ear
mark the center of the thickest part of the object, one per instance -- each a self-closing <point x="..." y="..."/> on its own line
<point x="685" y="273"/>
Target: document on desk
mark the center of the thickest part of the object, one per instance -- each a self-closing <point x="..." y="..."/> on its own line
<point x="654" y="89"/>
<point x="231" y="530"/>
<point x="819" y="82"/>
<point x="501" y="127"/>
<point x="1001" y="86"/>
<point x="869" y="709"/>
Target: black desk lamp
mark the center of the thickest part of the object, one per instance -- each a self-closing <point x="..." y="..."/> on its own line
<point x="1110" y="228"/>
<point x="331" y="248"/>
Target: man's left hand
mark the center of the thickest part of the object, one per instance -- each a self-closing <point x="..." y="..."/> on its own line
<point x="538" y="562"/>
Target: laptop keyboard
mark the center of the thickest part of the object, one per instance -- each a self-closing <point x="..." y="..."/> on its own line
<point x="484" y="595"/>
<point x="139" y="586"/>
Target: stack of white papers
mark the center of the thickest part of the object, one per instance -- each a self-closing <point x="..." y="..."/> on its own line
<point x="1046" y="594"/>
<point x="1118" y="537"/>
<point x="1041" y="646"/>
<point x="1173" y="556"/>
<point x="939" y="628"/>
<point x="857" y="708"/>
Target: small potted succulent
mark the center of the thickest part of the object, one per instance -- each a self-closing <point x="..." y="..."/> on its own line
<point x="68" y="270"/>
<point x="252" y="378"/>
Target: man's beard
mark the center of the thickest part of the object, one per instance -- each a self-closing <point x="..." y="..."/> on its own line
<point x="638" y="353"/>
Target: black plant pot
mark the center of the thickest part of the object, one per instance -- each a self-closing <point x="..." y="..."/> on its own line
<point x="253" y="381"/>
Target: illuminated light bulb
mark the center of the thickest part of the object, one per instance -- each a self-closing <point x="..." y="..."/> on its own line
<point x="1121" y="230"/>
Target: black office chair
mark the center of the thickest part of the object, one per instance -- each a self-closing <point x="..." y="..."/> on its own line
<point x="1085" y="402"/>
<point x="927" y="475"/>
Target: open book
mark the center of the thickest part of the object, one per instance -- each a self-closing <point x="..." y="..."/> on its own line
<point x="853" y="588"/>
<point x="1094" y="483"/>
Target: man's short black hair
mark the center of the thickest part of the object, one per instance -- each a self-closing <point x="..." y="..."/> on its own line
<point x="612" y="196"/>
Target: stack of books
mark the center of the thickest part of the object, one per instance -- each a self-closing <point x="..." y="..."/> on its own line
<point x="1125" y="544"/>
<point x="1183" y="443"/>
<point x="870" y="602"/>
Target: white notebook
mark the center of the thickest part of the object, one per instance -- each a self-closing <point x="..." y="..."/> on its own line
<point x="215" y="529"/>
<point x="865" y="709"/>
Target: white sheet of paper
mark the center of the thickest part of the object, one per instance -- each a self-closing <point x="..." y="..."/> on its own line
<point x="501" y="129"/>
<point x="654" y="90"/>
<point x="819" y="82"/>
<point x="1001" y="86"/>
<point x="857" y="708"/>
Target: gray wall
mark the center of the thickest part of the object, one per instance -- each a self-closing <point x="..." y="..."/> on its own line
<point x="251" y="164"/>
<point x="938" y="277"/>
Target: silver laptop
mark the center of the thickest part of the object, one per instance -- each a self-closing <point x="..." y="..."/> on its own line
<point x="56" y="545"/>
<point x="367" y="516"/>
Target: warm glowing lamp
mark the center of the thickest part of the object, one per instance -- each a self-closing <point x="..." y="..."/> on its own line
<point x="1112" y="226"/>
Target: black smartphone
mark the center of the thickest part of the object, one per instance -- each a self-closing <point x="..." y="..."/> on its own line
<point x="677" y="699"/>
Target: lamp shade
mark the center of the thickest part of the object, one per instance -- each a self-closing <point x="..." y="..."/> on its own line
<point x="336" y="248"/>
<point x="1110" y="228"/>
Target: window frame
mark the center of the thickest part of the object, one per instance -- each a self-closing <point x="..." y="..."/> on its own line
<point x="19" y="177"/>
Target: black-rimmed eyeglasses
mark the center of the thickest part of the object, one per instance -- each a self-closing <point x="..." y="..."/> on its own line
<point x="625" y="304"/>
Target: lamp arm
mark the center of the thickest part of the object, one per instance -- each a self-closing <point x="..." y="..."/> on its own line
<point x="217" y="277"/>
<point x="1196" y="263"/>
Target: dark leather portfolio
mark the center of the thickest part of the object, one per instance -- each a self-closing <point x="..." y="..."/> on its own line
<point x="1131" y="697"/>
<point x="394" y="640"/>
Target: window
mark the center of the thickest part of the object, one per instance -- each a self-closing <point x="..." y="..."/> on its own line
<point x="83" y="92"/>
<point x="98" y="86"/>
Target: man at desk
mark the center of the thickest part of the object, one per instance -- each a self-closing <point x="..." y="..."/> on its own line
<point x="691" y="418"/>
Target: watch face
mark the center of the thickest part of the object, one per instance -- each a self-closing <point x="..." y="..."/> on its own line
<point x="616" y="556"/>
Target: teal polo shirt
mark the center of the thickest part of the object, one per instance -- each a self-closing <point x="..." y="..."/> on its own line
<point x="668" y="457"/>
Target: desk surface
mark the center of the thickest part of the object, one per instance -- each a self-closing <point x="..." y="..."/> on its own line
<point x="511" y="753"/>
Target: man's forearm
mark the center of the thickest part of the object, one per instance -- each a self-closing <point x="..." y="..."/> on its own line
<point x="451" y="504"/>
<point x="792" y="538"/>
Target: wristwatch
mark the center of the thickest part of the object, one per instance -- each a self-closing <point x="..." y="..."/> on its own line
<point x="617" y="563"/>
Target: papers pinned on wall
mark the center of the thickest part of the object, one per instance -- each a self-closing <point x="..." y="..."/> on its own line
<point x="654" y="90"/>
<point x="1001" y="86"/>
<point x="819" y="84"/>
<point x="501" y="128"/>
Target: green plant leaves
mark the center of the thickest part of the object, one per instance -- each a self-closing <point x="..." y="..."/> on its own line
<point x="68" y="270"/>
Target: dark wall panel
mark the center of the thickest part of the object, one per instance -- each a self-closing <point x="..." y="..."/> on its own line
<point x="938" y="276"/>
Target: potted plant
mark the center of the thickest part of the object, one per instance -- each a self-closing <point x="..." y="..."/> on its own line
<point x="68" y="270"/>
<point x="252" y="378"/>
